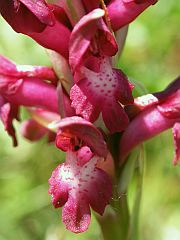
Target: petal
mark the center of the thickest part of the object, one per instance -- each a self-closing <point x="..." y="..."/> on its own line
<point x="144" y="126"/>
<point x="167" y="101"/>
<point x="141" y="103"/>
<point x="26" y="15"/>
<point x="76" y="215"/>
<point x="106" y="40"/>
<point x="40" y="10"/>
<point x="170" y="108"/>
<point x="58" y="189"/>
<point x="84" y="155"/>
<point x="122" y="12"/>
<point x="176" y="134"/>
<point x="145" y="101"/>
<point x="104" y="90"/>
<point x="8" y="68"/>
<point x="82" y="105"/>
<point x="159" y="112"/>
<point x="99" y="196"/>
<point x="82" y="35"/>
<point x="85" y="131"/>
<point x="124" y="92"/>
<point x="170" y="90"/>
<point x="9" y="85"/>
<point x="31" y="92"/>
<point x="87" y="185"/>
<point x="33" y="131"/>
<point x="45" y="29"/>
<point x="62" y="69"/>
<point x="43" y="117"/>
<point x="106" y="85"/>
<point x="54" y="37"/>
<point x="7" y="114"/>
<point x="115" y="118"/>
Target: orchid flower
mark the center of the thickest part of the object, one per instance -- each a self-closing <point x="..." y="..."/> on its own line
<point x="26" y="86"/>
<point x="43" y="22"/>
<point x="36" y="127"/>
<point x="79" y="183"/>
<point x="122" y="12"/>
<point x="154" y="113"/>
<point x="33" y="131"/>
<point x="77" y="186"/>
<point x="103" y="88"/>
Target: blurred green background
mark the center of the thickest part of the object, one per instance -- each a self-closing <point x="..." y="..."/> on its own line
<point x="151" y="56"/>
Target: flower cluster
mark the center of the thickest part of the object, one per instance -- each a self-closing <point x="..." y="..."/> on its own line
<point x="82" y="100"/>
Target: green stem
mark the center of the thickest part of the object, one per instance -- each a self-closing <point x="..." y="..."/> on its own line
<point x="117" y="223"/>
<point x="114" y="223"/>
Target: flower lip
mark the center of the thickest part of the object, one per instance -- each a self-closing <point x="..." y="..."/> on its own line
<point x="78" y="184"/>
<point x="106" y="91"/>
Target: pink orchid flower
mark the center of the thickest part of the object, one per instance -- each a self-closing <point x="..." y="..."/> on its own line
<point x="105" y="90"/>
<point x="78" y="187"/>
<point x="44" y="23"/>
<point x="123" y="12"/>
<point x="33" y="131"/>
<point x="101" y="88"/>
<point x="8" y="112"/>
<point x="36" y="127"/>
<point x="79" y="183"/>
<point x="26" y="86"/>
<point x="155" y="114"/>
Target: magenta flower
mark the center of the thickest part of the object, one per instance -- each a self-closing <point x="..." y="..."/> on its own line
<point x="98" y="87"/>
<point x="105" y="91"/>
<point x="44" y="23"/>
<point x="33" y="131"/>
<point x="26" y="16"/>
<point x="90" y="37"/>
<point x="123" y="12"/>
<point x="160" y="112"/>
<point x="26" y="86"/>
<point x="8" y="112"/>
<point x="36" y="127"/>
<point x="78" y="186"/>
<point x="79" y="183"/>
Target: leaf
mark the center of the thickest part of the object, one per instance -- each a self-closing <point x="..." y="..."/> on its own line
<point x="128" y="171"/>
<point x="133" y="230"/>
